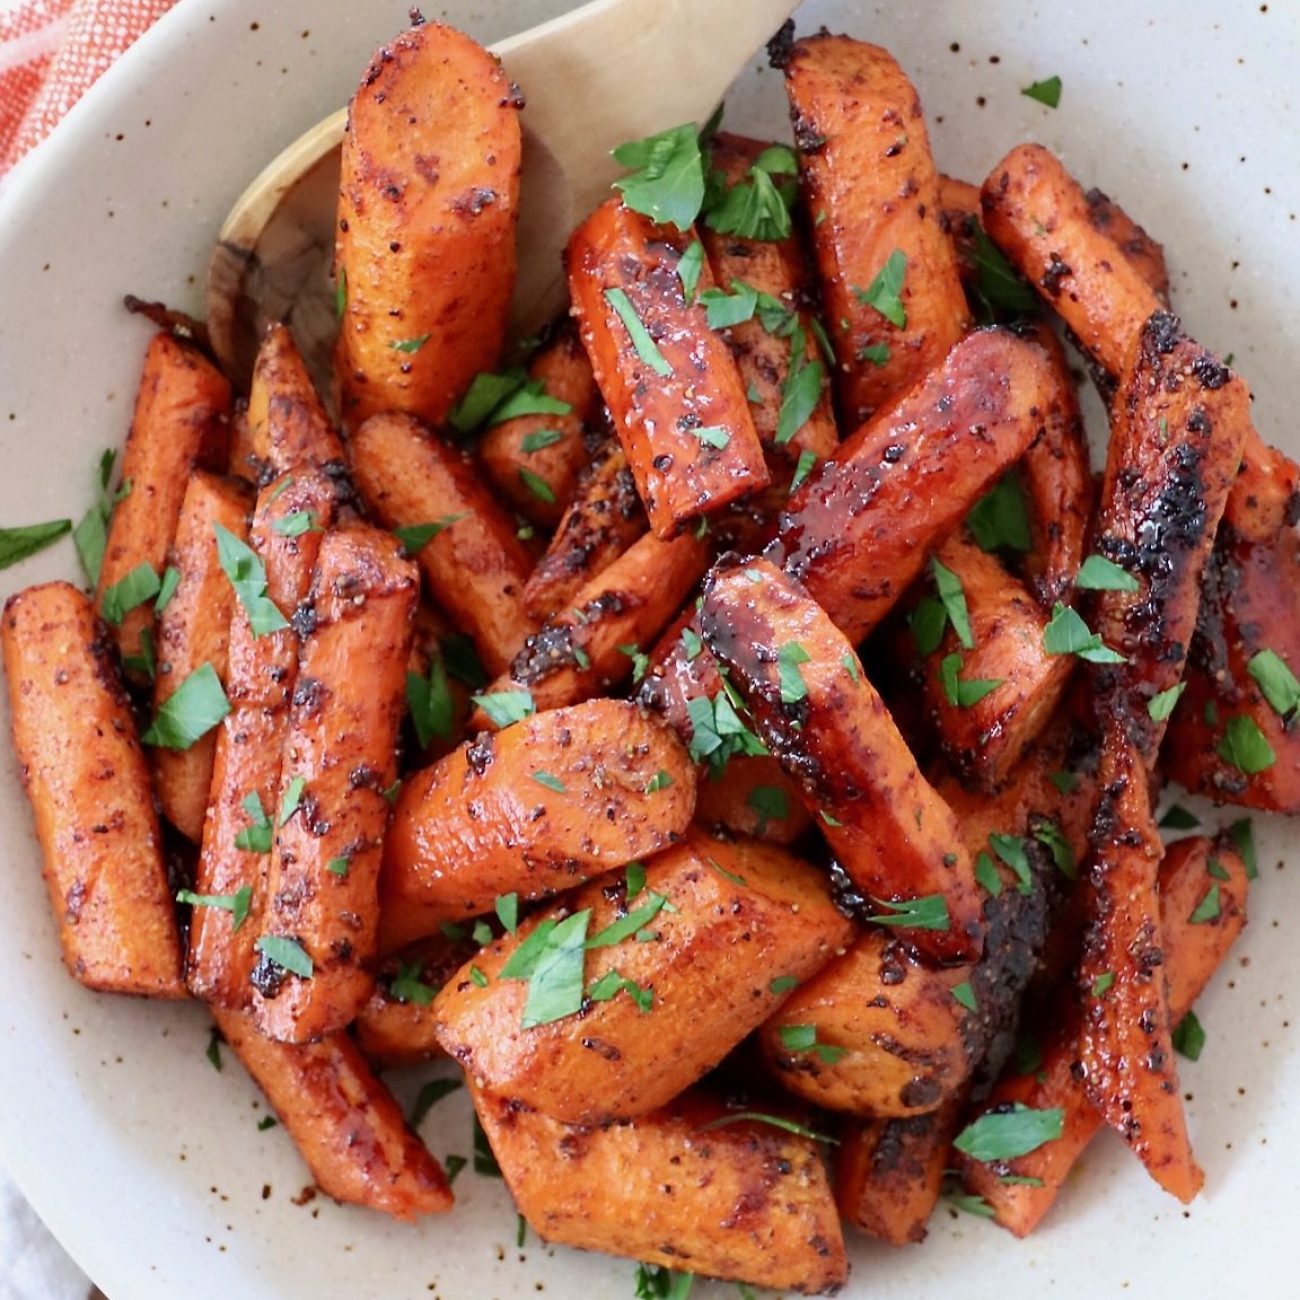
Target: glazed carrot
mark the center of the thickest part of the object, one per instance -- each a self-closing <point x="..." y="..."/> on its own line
<point x="816" y="711"/>
<point x="1037" y="213"/>
<point x="1144" y="254"/>
<point x="663" y="373"/>
<point x="988" y="703"/>
<point x="88" y="783"/>
<point x="346" y="1125"/>
<point x="888" y="1172"/>
<point x="890" y="285"/>
<point x="288" y="427"/>
<point x="1250" y="605"/>
<point x="858" y="532"/>
<point x="338" y="760"/>
<point x="603" y="518"/>
<point x="260" y="681"/>
<point x="576" y="654"/>
<point x="1265" y="497"/>
<point x="428" y="205"/>
<point x="1180" y="422"/>
<point x="729" y="919"/>
<point x="1124" y="1044"/>
<point x="180" y="421"/>
<point x="1192" y="952"/>
<point x="475" y="567"/>
<point x="766" y="353"/>
<point x="535" y="460"/>
<point x="696" y="1188"/>
<point x="396" y="1027"/>
<point x="535" y="808"/>
<point x="895" y="1031"/>
<point x="1057" y="476"/>
<point x="194" y="629"/>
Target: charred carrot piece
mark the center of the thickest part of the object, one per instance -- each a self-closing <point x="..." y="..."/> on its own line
<point x="889" y="1172"/>
<point x="473" y="564"/>
<point x="989" y="702"/>
<point x="1144" y="254"/>
<point x="88" y="783"/>
<point x="535" y="459"/>
<point x="603" y="518"/>
<point x="397" y="1025"/>
<point x="581" y="651"/>
<point x="759" y="1207"/>
<point x="1124" y="1045"/>
<point x="180" y="421"/>
<point x="890" y="282"/>
<point x="671" y="385"/>
<point x="321" y="921"/>
<point x="730" y="918"/>
<point x="346" y="1125"/>
<point x="858" y="532"/>
<point x="288" y="427"/>
<point x="1181" y="420"/>
<point x="1192" y="952"/>
<point x="428" y="206"/>
<point x="260" y="680"/>
<point x="776" y="358"/>
<point x="535" y="808"/>
<point x="816" y="711"/>
<point x="194" y="629"/>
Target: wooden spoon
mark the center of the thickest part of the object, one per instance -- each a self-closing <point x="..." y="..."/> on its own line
<point x="610" y="71"/>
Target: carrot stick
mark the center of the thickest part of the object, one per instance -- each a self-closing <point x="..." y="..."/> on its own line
<point x="288" y="427"/>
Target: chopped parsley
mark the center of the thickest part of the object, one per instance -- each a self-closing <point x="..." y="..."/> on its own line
<point x="1208" y="908"/>
<point x="927" y="913"/>
<point x="1097" y="573"/>
<point x="549" y="781"/>
<point x="415" y="537"/>
<point x="1276" y="680"/>
<point x="551" y="960"/>
<point x="1245" y="746"/>
<point x="540" y="440"/>
<point x="256" y="837"/>
<point x="140" y="585"/>
<point x="196" y="706"/>
<point x="644" y="345"/>
<point x="288" y="954"/>
<point x="770" y="803"/>
<point x="789" y="657"/>
<point x="506" y="707"/>
<point x="883" y="293"/>
<point x="965" y="995"/>
<point x="801" y="390"/>
<point x="1004" y="1134"/>
<point x="660" y="781"/>
<point x="964" y="694"/>
<point x="1067" y="634"/>
<point x="1045" y="92"/>
<point x="1189" y="1037"/>
<point x="1242" y="834"/>
<point x="689" y="266"/>
<point x="537" y="485"/>
<point x="431" y="704"/>
<point x="1160" y="706"/>
<point x="758" y="207"/>
<point x="953" y="598"/>
<point x="666" y="176"/>
<point x="410" y="346"/>
<point x="18" y="543"/>
<point x="626" y="926"/>
<point x="247" y="575"/>
<point x="428" y="1096"/>
<point x="712" y="435"/>
<point x="407" y="986"/>
<point x="805" y="466"/>
<point x="999" y="520"/>
<point x="237" y="904"/>
<point x="507" y="910"/>
<point x="1101" y="985"/>
<point x="803" y="1038"/>
<point x="775" y="1121"/>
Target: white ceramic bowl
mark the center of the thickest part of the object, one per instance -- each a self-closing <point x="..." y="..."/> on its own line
<point x="145" y="1161"/>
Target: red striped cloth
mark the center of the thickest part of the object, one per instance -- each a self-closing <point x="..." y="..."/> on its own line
<point x="51" y="52"/>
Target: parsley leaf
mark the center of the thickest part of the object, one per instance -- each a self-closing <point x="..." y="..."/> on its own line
<point x="1243" y="839"/>
<point x="927" y="913"/>
<point x="712" y="435"/>
<point x="1208" y="908"/>
<point x="640" y="661"/>
<point x="803" y="1038"/>
<point x="549" y="781"/>
<point x="410" y="346"/>
<point x="789" y="657"/>
<point x="1101" y="985"/>
<point x="541" y="439"/>
<point x="1007" y="1134"/>
<point x="998" y="290"/>
<point x="965" y="995"/>
<point x="689" y="266"/>
<point x="506" y="707"/>
<point x="954" y="602"/>
<point x="237" y="904"/>
<point x="1178" y="819"/>
<point x="1189" y="1037"/>
<point x="999" y="520"/>
<point x="1045" y="92"/>
<point x="507" y="910"/>
<point x="551" y="960"/>
<point x="430" y="702"/>
<point x="257" y="836"/>
<point x="1276" y="681"/>
<point x="190" y="712"/>
<point x="628" y="925"/>
<point x="807" y="462"/>
<point x="538" y="486"/>
<point x="296" y="523"/>
<point x="90" y="536"/>
<point x="122" y="597"/>
<point x="171" y="579"/>
<point x="291" y="799"/>
<point x="1160" y="706"/>
<point x="883" y="292"/>
<point x="1068" y="634"/>
<point x="1011" y="849"/>
<point x="415" y="537"/>
<point x="761" y="1117"/>
<point x="754" y="208"/>
<point x="1245" y="746"/>
<point x="288" y="954"/>
<point x="928" y="620"/>
<point x="1097" y="573"/>
<point x="485" y="394"/>
<point x="964" y="694"/>
<point x="986" y="874"/>
<point x="770" y="803"/>
<point x="18" y="543"/>
<point x="801" y="390"/>
<point x="530" y="398"/>
<point x="644" y="345"/>
<point x="406" y="985"/>
<point x="724" y="308"/>
<point x="666" y="180"/>
<point x="247" y="575"/>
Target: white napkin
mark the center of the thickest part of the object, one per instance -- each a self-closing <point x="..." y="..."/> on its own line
<point x="33" y="1266"/>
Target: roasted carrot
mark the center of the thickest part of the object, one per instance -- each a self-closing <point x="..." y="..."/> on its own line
<point x="1192" y="952"/>
<point x="346" y="1125"/>
<point x="288" y="426"/>
<point x="1180" y="422"/>
<point x="1124" y="1044"/>
<point x="816" y="711"/>
<point x="428" y="205"/>
<point x="396" y="1027"/>
<point x="776" y="357"/>
<point x="888" y="1172"/>
<point x="321" y="921"/>
<point x="1265" y="497"/>
<point x="440" y="698"/>
<point x="1250" y="611"/>
<point x="194" y="629"/>
<point x="695" y="1187"/>
<point x="671" y="385"/>
<point x="889" y="275"/>
<point x="1143" y="253"/>
<point x="990" y="696"/>
<point x="1038" y="214"/>
<point x="1057" y="476"/>
<point x="473" y="565"/>
<point x="752" y="796"/>
<point x="581" y="651"/>
<point x="535" y="808"/>
<point x="727" y="919"/>
<point x="180" y="421"/>
<point x="858" y="532"/>
<point x="260" y="682"/>
<point x="88" y="783"/>
<point x="960" y="220"/>
<point x="535" y="459"/>
<point x="604" y="517"/>
<point x="241" y="463"/>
